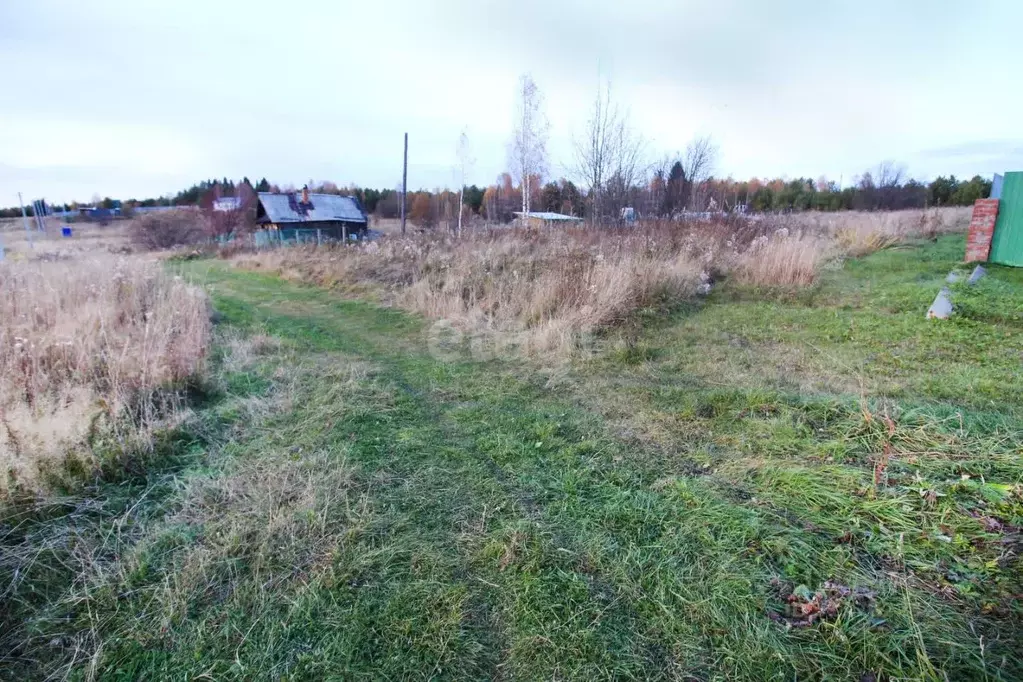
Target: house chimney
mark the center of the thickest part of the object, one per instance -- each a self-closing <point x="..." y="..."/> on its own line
<point x="305" y="194"/>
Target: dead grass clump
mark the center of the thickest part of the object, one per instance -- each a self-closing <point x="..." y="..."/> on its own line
<point x="92" y="352"/>
<point x="243" y="351"/>
<point x="783" y="260"/>
<point x="167" y="229"/>
<point x="856" y="243"/>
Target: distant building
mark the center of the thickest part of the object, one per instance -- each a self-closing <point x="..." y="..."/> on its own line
<point x="546" y="219"/>
<point x="335" y="216"/>
<point x="100" y="214"/>
<point x="226" y="204"/>
<point x="141" y="210"/>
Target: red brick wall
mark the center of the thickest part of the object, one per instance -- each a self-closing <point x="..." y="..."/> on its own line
<point x="982" y="229"/>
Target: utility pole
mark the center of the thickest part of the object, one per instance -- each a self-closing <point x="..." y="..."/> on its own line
<point x="24" y="220"/>
<point x="460" y="200"/>
<point x="404" y="185"/>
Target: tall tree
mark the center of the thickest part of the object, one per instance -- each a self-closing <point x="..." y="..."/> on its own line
<point x="889" y="179"/>
<point x="529" y="140"/>
<point x="593" y="151"/>
<point x="572" y="202"/>
<point x="474" y="198"/>
<point x="608" y="155"/>
<point x="423" y="212"/>
<point x="941" y="189"/>
<point x="698" y="164"/>
<point x="676" y="189"/>
<point x="465" y="161"/>
<point x="968" y="192"/>
<point x="551" y="197"/>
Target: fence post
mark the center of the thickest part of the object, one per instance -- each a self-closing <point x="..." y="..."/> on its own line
<point x="317" y="236"/>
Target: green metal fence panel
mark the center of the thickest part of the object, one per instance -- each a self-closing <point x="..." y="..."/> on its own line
<point x="1007" y="243"/>
<point x="290" y="237"/>
<point x="265" y="238"/>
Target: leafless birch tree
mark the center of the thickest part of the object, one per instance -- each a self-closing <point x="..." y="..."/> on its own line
<point x="529" y="141"/>
<point x="609" y="155"/>
<point x="465" y="162"/>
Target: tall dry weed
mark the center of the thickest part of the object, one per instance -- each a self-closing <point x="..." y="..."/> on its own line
<point x="92" y="349"/>
<point x="786" y="260"/>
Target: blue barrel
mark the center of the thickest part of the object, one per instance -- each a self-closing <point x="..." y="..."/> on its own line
<point x="65" y="231"/>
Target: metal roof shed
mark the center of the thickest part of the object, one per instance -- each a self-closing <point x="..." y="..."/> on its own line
<point x="1007" y="242"/>
<point x="546" y="218"/>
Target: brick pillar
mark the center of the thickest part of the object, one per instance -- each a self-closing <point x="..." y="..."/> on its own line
<point x="982" y="229"/>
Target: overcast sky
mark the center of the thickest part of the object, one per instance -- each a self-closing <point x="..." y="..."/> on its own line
<point x="135" y="99"/>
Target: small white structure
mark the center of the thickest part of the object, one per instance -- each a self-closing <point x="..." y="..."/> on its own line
<point x="545" y="219"/>
<point x="227" y="204"/>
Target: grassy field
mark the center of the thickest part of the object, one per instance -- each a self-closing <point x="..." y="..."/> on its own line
<point x="761" y="485"/>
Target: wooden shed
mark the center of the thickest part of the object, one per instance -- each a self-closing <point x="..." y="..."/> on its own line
<point x="334" y="216"/>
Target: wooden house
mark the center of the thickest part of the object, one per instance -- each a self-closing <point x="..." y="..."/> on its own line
<point x="333" y="216"/>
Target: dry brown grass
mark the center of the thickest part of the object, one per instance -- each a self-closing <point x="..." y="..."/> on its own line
<point x="545" y="288"/>
<point x="93" y="351"/>
<point x="88" y="239"/>
<point x="785" y="260"/>
<point x="858" y="233"/>
<point x="795" y="247"/>
<point x="543" y="291"/>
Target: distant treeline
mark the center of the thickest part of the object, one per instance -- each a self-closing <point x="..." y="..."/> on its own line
<point x="868" y="194"/>
<point x="665" y="194"/>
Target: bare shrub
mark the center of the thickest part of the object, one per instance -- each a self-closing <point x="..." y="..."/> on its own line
<point x="167" y="229"/>
<point x="855" y="243"/>
<point x="92" y="351"/>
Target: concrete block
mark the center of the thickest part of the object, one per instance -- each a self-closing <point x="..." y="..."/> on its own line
<point x="942" y="306"/>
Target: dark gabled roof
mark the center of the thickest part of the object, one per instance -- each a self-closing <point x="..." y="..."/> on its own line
<point x="288" y="208"/>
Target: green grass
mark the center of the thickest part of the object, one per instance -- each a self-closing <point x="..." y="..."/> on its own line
<point x="348" y="506"/>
